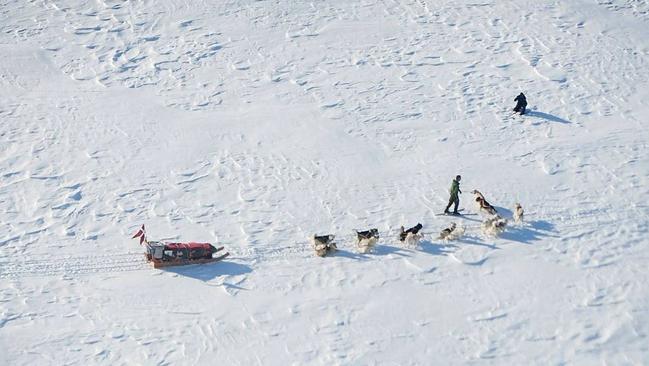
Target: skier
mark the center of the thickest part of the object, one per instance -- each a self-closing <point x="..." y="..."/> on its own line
<point x="455" y="198"/>
<point x="521" y="103"/>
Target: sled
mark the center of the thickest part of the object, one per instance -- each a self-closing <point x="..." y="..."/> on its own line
<point x="163" y="254"/>
<point x="176" y="258"/>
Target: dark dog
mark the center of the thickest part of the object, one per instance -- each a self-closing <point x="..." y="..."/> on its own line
<point x="413" y="230"/>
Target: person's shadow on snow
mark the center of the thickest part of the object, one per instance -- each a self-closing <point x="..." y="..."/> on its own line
<point x="546" y="116"/>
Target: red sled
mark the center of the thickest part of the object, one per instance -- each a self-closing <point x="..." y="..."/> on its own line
<point x="163" y="254"/>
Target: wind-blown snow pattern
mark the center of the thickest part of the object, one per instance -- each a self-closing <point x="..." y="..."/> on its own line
<point x="257" y="124"/>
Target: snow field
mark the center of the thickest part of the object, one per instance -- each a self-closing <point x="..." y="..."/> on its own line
<point x="258" y="124"/>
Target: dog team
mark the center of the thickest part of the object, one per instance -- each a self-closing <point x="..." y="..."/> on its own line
<point x="493" y="225"/>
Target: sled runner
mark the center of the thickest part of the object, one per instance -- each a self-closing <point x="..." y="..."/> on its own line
<point x="163" y="254"/>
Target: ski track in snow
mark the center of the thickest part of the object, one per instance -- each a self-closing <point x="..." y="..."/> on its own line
<point x="256" y="125"/>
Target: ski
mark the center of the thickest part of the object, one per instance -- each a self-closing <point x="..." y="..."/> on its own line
<point x="459" y="214"/>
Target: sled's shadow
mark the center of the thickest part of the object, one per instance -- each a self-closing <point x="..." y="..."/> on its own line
<point x="546" y="116"/>
<point x="210" y="271"/>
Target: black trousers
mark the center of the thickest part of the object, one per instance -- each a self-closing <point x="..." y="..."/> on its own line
<point x="520" y="108"/>
<point x="453" y="200"/>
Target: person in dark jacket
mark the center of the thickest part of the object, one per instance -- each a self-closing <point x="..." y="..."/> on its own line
<point x="521" y="103"/>
<point x="455" y="198"/>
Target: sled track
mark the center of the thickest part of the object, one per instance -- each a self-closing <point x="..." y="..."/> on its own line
<point x="123" y="262"/>
<point x="76" y="265"/>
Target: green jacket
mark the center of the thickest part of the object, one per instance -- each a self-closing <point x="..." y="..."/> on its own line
<point x="455" y="188"/>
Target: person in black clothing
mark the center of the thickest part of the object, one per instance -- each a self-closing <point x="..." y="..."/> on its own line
<point x="521" y="103"/>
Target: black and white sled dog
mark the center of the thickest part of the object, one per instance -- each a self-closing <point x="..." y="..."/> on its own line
<point x="411" y="237"/>
<point x="494" y="225"/>
<point x="518" y="213"/>
<point x="324" y="244"/>
<point x="452" y="232"/>
<point x="482" y="205"/>
<point x="366" y="240"/>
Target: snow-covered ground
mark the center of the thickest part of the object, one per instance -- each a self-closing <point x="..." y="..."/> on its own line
<point x="256" y="124"/>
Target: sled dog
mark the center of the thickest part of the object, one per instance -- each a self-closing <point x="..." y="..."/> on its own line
<point x="452" y="232"/>
<point x="366" y="240"/>
<point x="324" y="244"/>
<point x="411" y="237"/>
<point x="518" y="213"/>
<point x="483" y="206"/>
<point x="494" y="225"/>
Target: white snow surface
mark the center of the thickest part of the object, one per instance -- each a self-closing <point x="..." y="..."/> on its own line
<point x="256" y="124"/>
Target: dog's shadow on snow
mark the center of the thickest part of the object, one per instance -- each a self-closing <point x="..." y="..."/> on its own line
<point x="442" y="248"/>
<point x="350" y="255"/>
<point x="543" y="225"/>
<point x="504" y="212"/>
<point x="475" y="240"/>
<point x="529" y="232"/>
<point x="210" y="271"/>
<point x="385" y="249"/>
<point x="546" y="116"/>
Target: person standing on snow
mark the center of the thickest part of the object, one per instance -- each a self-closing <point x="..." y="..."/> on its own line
<point x="455" y="198"/>
<point x="521" y="103"/>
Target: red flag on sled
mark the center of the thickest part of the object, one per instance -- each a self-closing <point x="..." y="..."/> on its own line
<point x="141" y="234"/>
